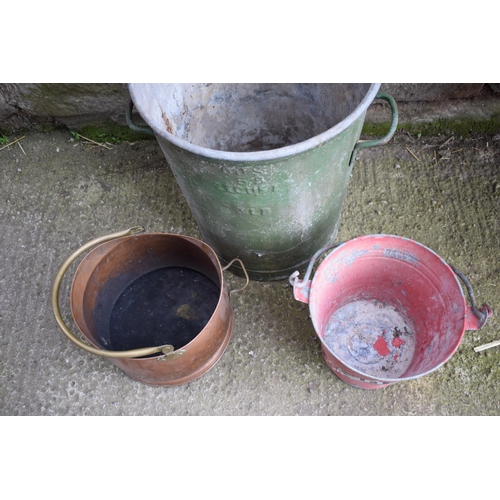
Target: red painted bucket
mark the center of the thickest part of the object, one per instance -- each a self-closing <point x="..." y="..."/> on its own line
<point x="386" y="309"/>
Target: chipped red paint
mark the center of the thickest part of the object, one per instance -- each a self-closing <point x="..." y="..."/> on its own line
<point x="381" y="346"/>
<point x="397" y="342"/>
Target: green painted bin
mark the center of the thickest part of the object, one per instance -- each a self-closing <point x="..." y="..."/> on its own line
<point x="264" y="168"/>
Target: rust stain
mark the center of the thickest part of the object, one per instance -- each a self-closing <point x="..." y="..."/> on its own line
<point x="168" y="125"/>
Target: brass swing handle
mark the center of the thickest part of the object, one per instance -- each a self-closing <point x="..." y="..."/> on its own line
<point x="166" y="350"/>
<point x="134" y="353"/>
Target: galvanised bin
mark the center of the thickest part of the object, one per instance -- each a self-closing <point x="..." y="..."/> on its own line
<point x="264" y="167"/>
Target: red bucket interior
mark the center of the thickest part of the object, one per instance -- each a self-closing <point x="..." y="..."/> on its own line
<point x="390" y="278"/>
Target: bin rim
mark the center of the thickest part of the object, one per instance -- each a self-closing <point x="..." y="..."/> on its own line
<point x="270" y="154"/>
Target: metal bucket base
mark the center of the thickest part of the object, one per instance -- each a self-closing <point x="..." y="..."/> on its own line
<point x="352" y="380"/>
<point x="371" y="337"/>
<point x="170" y="305"/>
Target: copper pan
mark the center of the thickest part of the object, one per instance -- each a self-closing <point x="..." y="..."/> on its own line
<point x="118" y="260"/>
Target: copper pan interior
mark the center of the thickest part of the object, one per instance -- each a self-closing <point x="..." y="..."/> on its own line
<point x="130" y="259"/>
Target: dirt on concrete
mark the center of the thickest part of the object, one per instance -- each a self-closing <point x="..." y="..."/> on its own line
<point x="58" y="192"/>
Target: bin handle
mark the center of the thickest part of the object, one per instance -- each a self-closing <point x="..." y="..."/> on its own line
<point x="132" y="125"/>
<point x="134" y="353"/>
<point x="387" y="137"/>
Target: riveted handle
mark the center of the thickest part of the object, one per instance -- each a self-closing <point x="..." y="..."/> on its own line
<point x="387" y="137"/>
<point x="134" y="353"/>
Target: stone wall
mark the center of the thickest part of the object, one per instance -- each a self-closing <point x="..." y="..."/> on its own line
<point x="25" y="104"/>
<point x="75" y="105"/>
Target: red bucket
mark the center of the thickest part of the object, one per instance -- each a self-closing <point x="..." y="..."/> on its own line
<point x="386" y="309"/>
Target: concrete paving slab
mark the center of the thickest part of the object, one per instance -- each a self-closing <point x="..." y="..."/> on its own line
<point x="58" y="193"/>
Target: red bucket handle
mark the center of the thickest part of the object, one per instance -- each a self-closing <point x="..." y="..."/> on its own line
<point x="479" y="317"/>
<point x="301" y="288"/>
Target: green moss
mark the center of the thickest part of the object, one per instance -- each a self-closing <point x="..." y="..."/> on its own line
<point x="111" y="132"/>
<point x="461" y="127"/>
<point x="101" y="132"/>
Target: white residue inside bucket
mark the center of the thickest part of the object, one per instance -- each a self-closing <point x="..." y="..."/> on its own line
<point x="371" y="337"/>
